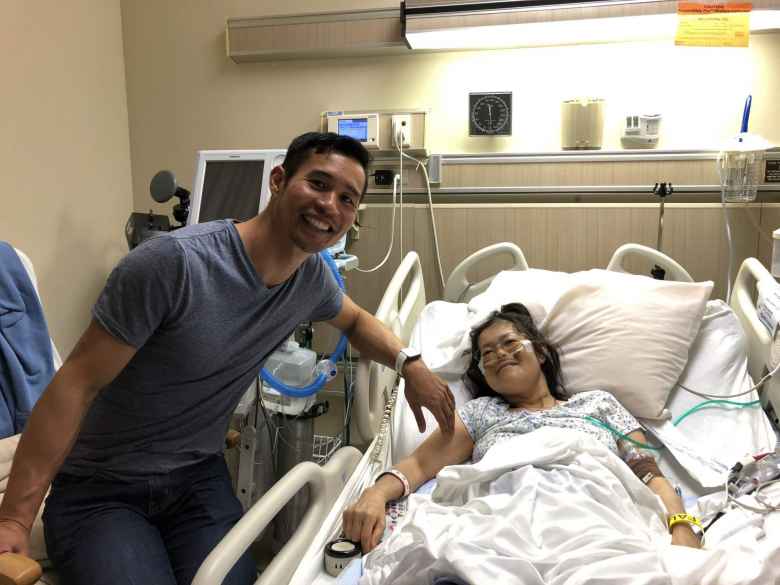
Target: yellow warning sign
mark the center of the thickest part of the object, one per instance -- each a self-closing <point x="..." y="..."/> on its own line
<point x="713" y="25"/>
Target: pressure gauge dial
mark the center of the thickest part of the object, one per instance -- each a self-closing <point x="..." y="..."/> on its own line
<point x="490" y="114"/>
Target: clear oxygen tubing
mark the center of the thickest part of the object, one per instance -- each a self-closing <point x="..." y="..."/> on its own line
<point x="329" y="363"/>
<point x="727" y="221"/>
<point x="708" y="403"/>
<point x="675" y="422"/>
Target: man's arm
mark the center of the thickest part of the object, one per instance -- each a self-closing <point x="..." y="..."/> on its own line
<point x="376" y="342"/>
<point x="53" y="427"/>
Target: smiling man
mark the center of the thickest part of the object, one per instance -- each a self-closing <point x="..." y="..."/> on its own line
<point x="131" y="428"/>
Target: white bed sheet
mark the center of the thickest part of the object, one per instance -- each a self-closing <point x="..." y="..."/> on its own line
<point x="517" y="517"/>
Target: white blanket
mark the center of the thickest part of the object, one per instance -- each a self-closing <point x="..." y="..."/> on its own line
<point x="552" y="508"/>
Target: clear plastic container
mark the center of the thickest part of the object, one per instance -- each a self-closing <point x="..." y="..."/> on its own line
<point x="292" y="364"/>
<point x="741" y="167"/>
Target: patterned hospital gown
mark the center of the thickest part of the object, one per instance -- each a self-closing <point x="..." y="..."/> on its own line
<point x="488" y="419"/>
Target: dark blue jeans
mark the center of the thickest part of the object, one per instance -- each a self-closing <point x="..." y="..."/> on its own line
<point x="155" y="531"/>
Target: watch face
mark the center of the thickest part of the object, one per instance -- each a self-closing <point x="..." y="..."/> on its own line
<point x="490" y="114"/>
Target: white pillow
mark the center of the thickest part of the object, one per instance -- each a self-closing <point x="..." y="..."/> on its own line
<point x="626" y="334"/>
<point x="538" y="289"/>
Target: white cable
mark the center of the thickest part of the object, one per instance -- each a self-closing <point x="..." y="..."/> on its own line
<point x="433" y="219"/>
<point x="392" y="234"/>
<point x="420" y="165"/>
<point x="755" y="386"/>
<point x="399" y="144"/>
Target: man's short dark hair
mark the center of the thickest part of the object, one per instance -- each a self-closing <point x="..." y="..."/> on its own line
<point x="302" y="147"/>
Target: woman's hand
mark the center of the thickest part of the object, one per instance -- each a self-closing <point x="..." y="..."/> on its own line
<point x="364" y="521"/>
<point x="683" y="535"/>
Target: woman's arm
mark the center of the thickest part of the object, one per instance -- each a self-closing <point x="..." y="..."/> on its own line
<point x="682" y="533"/>
<point x="364" y="521"/>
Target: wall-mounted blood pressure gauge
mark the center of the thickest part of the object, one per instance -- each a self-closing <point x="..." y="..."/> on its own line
<point x="490" y="114"/>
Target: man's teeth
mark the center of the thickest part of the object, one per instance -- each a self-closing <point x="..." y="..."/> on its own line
<point x="320" y="225"/>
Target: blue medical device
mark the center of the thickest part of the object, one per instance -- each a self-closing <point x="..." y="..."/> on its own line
<point x="326" y="367"/>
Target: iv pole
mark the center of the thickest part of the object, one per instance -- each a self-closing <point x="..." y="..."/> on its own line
<point x="663" y="190"/>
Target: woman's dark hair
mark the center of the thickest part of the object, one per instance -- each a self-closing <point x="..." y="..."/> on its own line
<point x="302" y="147"/>
<point x="519" y="316"/>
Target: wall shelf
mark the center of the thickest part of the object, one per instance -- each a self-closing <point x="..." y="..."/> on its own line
<point x="313" y="36"/>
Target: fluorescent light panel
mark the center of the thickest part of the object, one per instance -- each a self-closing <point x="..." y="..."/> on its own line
<point x="567" y="32"/>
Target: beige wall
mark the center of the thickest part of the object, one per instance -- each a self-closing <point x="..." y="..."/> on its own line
<point x="185" y="94"/>
<point x="64" y="149"/>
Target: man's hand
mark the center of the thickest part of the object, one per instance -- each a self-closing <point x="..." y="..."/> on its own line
<point x="14" y="537"/>
<point x="424" y="388"/>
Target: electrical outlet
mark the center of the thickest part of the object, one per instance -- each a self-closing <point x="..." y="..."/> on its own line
<point x="383" y="178"/>
<point x="402" y="126"/>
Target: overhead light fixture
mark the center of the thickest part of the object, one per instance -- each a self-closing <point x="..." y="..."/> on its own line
<point x="494" y="24"/>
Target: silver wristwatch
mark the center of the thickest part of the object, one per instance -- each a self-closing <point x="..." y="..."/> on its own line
<point x="406" y="354"/>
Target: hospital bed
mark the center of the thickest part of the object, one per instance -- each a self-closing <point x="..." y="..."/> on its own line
<point x="730" y="333"/>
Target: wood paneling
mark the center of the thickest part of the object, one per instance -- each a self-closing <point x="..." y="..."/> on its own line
<point x="361" y="32"/>
<point x="566" y="237"/>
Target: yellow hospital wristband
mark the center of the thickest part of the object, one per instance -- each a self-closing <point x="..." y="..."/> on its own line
<point x="675" y="519"/>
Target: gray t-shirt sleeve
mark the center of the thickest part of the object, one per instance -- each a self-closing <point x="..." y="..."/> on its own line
<point x="330" y="294"/>
<point x="143" y="291"/>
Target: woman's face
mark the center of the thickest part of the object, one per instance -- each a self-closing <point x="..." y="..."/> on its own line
<point x="509" y="362"/>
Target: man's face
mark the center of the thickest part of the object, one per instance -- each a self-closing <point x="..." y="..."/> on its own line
<point x="318" y="204"/>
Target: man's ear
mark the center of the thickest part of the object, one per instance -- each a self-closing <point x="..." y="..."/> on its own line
<point x="277" y="179"/>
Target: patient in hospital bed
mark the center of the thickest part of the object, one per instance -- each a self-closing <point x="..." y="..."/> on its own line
<point x="515" y="375"/>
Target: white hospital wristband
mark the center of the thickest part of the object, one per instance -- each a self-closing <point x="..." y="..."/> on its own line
<point x="400" y="477"/>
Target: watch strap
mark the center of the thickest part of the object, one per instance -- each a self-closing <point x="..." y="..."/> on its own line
<point x="405" y="355"/>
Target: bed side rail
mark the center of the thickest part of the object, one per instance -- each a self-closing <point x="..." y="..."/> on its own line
<point x="399" y="308"/>
<point x="674" y="271"/>
<point x="326" y="482"/>
<point x="458" y="288"/>
<point x="743" y="300"/>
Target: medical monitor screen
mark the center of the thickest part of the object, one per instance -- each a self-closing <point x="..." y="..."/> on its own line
<point x="231" y="189"/>
<point x="356" y="128"/>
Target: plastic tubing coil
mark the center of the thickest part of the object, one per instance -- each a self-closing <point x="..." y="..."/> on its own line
<point x="330" y="362"/>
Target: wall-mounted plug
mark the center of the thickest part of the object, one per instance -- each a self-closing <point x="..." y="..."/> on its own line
<point x="401" y="125"/>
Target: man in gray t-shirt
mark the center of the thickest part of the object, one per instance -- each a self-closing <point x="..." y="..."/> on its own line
<point x="133" y="423"/>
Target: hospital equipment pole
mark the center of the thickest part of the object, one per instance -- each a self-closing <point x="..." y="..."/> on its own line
<point x="663" y="190"/>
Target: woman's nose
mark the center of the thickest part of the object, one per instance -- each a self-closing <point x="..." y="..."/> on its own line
<point x="501" y="351"/>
